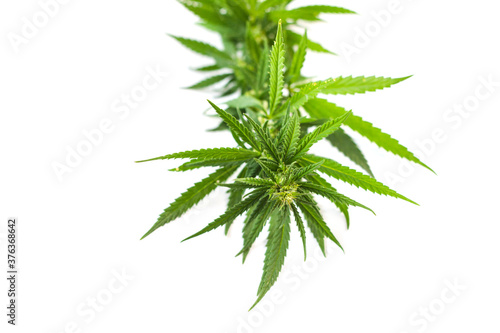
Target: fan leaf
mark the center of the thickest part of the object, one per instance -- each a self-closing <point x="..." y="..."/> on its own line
<point x="238" y="128"/>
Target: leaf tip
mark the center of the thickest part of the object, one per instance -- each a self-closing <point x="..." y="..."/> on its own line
<point x="409" y="200"/>
<point x="146" y="234"/>
<point x="256" y="302"/>
<point x="429" y="168"/>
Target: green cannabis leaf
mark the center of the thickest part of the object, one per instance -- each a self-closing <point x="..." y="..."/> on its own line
<point x="277" y="79"/>
<point x="275" y="119"/>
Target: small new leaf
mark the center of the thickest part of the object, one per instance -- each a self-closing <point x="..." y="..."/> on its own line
<point x="289" y="135"/>
<point x="238" y="128"/>
<point x="265" y="139"/>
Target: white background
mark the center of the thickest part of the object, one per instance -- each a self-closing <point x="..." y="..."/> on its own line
<point x="76" y="234"/>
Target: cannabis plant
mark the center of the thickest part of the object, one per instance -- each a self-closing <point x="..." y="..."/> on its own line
<point x="275" y="118"/>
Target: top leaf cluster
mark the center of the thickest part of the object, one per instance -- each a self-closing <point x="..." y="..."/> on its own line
<point x="277" y="116"/>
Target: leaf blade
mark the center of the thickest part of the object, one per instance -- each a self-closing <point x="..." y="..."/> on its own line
<point x="300" y="226"/>
<point x="360" y="85"/>
<point x="226" y="154"/>
<point x="321" y="108"/>
<point x="313" y="211"/>
<point x="319" y="133"/>
<point x="209" y="81"/>
<point x="309" y="13"/>
<point x="277" y="245"/>
<point x="191" y="197"/>
<point x="238" y="128"/>
<point x="346" y="145"/>
<point x="205" y="49"/>
<point x="352" y="177"/>
<point x="230" y="214"/>
<point x="298" y="59"/>
<point x="276" y="71"/>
